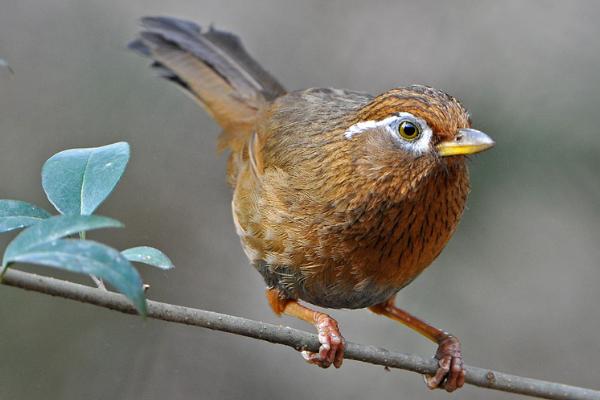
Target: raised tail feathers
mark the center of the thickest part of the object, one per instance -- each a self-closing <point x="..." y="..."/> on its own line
<point x="214" y="67"/>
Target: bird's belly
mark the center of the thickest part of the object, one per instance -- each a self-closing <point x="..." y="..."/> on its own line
<point x="352" y="298"/>
<point x="343" y="293"/>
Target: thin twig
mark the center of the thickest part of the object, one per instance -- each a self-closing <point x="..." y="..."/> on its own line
<point x="294" y="338"/>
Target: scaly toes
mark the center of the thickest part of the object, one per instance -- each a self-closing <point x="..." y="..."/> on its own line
<point x="436" y="381"/>
<point x="456" y="376"/>
<point x="332" y="344"/>
<point x="450" y="374"/>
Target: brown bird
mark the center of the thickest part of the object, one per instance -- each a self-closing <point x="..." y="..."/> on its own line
<point x="340" y="198"/>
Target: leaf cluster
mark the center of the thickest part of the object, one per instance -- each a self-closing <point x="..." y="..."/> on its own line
<point x="76" y="182"/>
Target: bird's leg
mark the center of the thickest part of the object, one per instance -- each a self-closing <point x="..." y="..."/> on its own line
<point x="450" y="374"/>
<point x="332" y="342"/>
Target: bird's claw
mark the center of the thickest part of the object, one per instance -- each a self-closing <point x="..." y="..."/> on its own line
<point x="451" y="373"/>
<point x="332" y="344"/>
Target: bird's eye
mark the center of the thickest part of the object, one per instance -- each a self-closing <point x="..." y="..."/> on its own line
<point x="408" y="130"/>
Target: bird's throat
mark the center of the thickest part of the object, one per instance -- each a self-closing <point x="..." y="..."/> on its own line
<point x="407" y="228"/>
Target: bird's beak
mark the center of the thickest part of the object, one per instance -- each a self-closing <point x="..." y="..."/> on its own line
<point x="466" y="141"/>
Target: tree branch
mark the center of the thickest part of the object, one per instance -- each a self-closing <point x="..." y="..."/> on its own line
<point x="294" y="338"/>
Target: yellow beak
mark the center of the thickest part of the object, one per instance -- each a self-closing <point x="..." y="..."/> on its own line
<point x="466" y="141"/>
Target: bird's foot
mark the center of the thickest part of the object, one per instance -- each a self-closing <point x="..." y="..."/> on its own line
<point x="332" y="344"/>
<point x="451" y="373"/>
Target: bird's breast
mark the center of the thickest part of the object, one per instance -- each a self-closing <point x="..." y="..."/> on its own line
<point x="358" y="256"/>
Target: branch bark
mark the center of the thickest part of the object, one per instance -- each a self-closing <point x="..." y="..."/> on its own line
<point x="294" y="338"/>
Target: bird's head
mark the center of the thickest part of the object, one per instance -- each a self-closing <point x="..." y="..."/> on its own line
<point x="415" y="124"/>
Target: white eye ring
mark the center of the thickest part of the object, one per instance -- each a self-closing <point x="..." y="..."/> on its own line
<point x="390" y="124"/>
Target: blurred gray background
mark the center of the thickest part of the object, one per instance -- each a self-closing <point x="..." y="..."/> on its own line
<point x="518" y="283"/>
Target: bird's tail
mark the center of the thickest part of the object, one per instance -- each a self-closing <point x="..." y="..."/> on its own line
<point x="214" y="68"/>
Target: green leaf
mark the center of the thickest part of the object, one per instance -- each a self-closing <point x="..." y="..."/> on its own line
<point x="54" y="228"/>
<point x="93" y="258"/>
<point x="77" y="181"/>
<point x="16" y="214"/>
<point x="148" y="255"/>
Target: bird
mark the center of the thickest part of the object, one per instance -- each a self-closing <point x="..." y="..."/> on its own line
<point x="340" y="198"/>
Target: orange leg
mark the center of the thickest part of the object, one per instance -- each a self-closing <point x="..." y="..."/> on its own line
<point x="450" y="374"/>
<point x="332" y="342"/>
